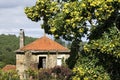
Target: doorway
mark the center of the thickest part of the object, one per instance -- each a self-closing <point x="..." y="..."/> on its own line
<point x="42" y="62"/>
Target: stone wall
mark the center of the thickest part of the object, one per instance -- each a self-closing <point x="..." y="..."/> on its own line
<point x="24" y="62"/>
<point x="20" y="64"/>
<point x="29" y="60"/>
<point x="52" y="60"/>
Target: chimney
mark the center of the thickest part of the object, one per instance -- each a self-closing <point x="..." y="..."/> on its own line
<point x="22" y="37"/>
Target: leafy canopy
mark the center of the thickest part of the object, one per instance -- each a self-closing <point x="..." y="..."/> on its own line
<point x="72" y="20"/>
<point x="69" y="19"/>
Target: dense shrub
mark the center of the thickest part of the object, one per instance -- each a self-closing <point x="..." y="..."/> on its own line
<point x="32" y="73"/>
<point x="61" y="72"/>
<point x="9" y="75"/>
<point x="45" y="74"/>
<point x="56" y="73"/>
<point x="88" y="67"/>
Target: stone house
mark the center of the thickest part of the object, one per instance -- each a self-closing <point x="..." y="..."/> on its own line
<point x="41" y="53"/>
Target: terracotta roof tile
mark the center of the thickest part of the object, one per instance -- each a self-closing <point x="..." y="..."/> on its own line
<point x="44" y="44"/>
<point x="9" y="67"/>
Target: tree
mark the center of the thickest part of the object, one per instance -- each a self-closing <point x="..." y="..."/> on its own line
<point x="72" y="20"/>
<point x="8" y="45"/>
<point x="60" y="41"/>
<point x="69" y="19"/>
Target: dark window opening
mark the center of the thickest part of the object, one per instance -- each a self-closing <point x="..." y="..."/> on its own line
<point x="42" y="62"/>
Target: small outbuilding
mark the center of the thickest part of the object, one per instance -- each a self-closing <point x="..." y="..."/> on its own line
<point x="41" y="53"/>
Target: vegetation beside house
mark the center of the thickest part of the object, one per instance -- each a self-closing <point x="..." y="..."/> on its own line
<point x="98" y="20"/>
<point x="8" y="45"/>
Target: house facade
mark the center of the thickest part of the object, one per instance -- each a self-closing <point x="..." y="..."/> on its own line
<point x="41" y="53"/>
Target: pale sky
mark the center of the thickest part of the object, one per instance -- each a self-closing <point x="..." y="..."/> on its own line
<point x="13" y="18"/>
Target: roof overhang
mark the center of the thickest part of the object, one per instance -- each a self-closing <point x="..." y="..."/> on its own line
<point x="41" y="51"/>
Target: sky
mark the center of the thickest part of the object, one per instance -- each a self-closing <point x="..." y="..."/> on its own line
<point x="13" y="18"/>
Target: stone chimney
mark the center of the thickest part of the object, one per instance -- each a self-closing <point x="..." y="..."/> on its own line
<point x="22" y="37"/>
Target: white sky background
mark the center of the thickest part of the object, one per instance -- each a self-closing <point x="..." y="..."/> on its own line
<point x="13" y="18"/>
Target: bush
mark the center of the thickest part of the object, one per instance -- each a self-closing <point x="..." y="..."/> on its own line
<point x="61" y="72"/>
<point x="45" y="74"/>
<point x="9" y="75"/>
<point x="31" y="73"/>
<point x="89" y="68"/>
<point x="56" y="73"/>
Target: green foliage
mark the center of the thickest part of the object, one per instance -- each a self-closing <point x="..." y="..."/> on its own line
<point x="29" y="39"/>
<point x="71" y="61"/>
<point x="60" y="41"/>
<point x="108" y="43"/>
<point x="99" y="59"/>
<point x="55" y="73"/>
<point x="8" y="45"/>
<point x="107" y="50"/>
<point x="111" y="64"/>
<point x="32" y="73"/>
<point x="69" y="20"/>
<point x="89" y="68"/>
<point x="72" y="20"/>
<point x="9" y="75"/>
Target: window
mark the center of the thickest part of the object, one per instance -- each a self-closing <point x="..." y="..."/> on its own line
<point x="59" y="61"/>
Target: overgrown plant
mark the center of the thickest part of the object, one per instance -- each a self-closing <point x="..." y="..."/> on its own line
<point x="72" y="20"/>
<point x="56" y="73"/>
<point x="9" y="75"/>
<point x="89" y="68"/>
<point x="31" y="73"/>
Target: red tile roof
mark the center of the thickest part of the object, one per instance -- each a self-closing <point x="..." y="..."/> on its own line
<point x="9" y="67"/>
<point x="44" y="44"/>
